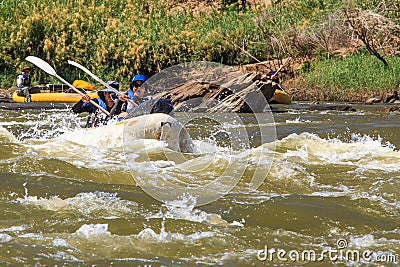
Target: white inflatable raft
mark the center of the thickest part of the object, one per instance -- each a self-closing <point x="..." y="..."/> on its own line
<point x="157" y="126"/>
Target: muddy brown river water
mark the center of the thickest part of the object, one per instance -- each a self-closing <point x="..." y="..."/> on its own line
<point x="330" y="194"/>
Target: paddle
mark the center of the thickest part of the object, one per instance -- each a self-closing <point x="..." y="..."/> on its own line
<point x="281" y="67"/>
<point x="47" y="68"/>
<point x="99" y="80"/>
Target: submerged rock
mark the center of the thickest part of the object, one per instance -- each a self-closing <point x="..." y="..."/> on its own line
<point x="391" y="109"/>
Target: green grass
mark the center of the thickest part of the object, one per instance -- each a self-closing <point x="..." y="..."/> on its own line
<point x="347" y="78"/>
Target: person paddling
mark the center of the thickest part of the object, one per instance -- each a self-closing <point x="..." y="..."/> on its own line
<point x="107" y="99"/>
<point x="135" y="93"/>
<point x="24" y="83"/>
<point x="143" y="105"/>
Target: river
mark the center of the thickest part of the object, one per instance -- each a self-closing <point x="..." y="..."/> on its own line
<point x="330" y="194"/>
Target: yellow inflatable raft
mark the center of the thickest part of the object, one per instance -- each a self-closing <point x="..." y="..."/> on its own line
<point x="53" y="97"/>
<point x="58" y="93"/>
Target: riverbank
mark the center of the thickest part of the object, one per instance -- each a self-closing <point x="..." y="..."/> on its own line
<point x="352" y="77"/>
<point x="117" y="45"/>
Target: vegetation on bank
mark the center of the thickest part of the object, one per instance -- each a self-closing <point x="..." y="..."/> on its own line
<point x="353" y="78"/>
<point x="117" y="39"/>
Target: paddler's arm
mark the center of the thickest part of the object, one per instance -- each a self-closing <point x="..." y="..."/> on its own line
<point x="84" y="105"/>
<point x="77" y="108"/>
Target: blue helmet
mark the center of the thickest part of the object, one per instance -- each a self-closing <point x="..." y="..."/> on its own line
<point x="139" y="77"/>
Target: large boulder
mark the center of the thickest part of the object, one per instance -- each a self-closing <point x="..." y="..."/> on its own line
<point x="244" y="94"/>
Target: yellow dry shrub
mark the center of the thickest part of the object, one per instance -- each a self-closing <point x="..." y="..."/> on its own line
<point x="48" y="46"/>
<point x="73" y="26"/>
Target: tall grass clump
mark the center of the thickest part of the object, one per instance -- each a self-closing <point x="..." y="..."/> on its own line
<point x="348" y="78"/>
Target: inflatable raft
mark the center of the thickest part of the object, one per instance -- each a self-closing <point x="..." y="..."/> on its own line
<point x="158" y="126"/>
<point x="53" y="97"/>
<point x="58" y="93"/>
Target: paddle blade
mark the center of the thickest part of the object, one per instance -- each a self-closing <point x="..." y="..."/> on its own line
<point x="73" y="63"/>
<point x="41" y="64"/>
<point x="79" y="66"/>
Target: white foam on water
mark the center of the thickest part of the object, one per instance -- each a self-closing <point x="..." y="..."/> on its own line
<point x="6" y="135"/>
<point x="60" y="242"/>
<point x="90" y="231"/>
<point x="8" y="123"/>
<point x="206" y="147"/>
<point x="91" y="154"/>
<point x="298" y="120"/>
<point x="4" y="238"/>
<point x="287" y="170"/>
<point x="108" y="136"/>
<point x="60" y="136"/>
<point x="192" y="172"/>
<point x="63" y="256"/>
<point x="362" y="241"/>
<point x="93" y="230"/>
<point x="184" y="209"/>
<point x="374" y="198"/>
<point x="14" y="229"/>
<point x="92" y="204"/>
<point x="48" y="125"/>
<point x="35" y="236"/>
<point x="104" y="148"/>
<point x="362" y="151"/>
<point x="329" y="194"/>
<point x="378" y="248"/>
<point x="149" y="234"/>
<point x="310" y="165"/>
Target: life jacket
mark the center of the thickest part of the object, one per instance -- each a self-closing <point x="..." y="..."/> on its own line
<point x="102" y="103"/>
<point x="26" y="80"/>
<point x="93" y="107"/>
<point x="131" y="94"/>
